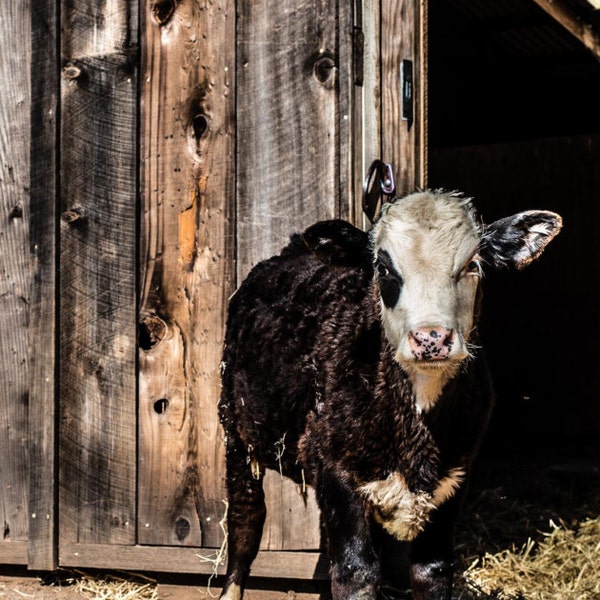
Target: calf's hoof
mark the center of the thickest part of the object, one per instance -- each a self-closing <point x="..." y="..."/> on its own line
<point x="431" y="581"/>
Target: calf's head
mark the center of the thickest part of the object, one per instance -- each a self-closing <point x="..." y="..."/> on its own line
<point x="428" y="252"/>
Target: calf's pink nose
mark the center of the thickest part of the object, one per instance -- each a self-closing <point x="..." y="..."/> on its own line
<point x="431" y="343"/>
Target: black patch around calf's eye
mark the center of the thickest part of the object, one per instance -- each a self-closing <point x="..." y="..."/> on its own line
<point x="389" y="288"/>
<point x="390" y="281"/>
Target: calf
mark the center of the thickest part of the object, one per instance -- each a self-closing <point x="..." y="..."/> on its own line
<point x="361" y="350"/>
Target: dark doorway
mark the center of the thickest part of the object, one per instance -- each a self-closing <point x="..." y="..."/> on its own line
<point x="514" y="121"/>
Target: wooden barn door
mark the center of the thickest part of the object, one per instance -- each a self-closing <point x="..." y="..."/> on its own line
<point x="171" y="145"/>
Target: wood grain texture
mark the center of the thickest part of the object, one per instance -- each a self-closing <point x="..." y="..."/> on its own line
<point x="98" y="241"/>
<point x="293" y="114"/>
<point x="42" y="552"/>
<point x="368" y="103"/>
<point x="13" y="553"/>
<point x="403" y="36"/>
<point x="14" y="268"/>
<point x="289" y="565"/>
<point x="288" y="114"/>
<point x="187" y="262"/>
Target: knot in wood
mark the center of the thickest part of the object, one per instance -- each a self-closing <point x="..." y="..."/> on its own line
<point x="199" y="125"/>
<point x="73" y="214"/>
<point x="16" y="212"/>
<point x="162" y="11"/>
<point x="71" y="71"/>
<point x="160" y="406"/>
<point x="182" y="528"/>
<point x="152" y="329"/>
<point x="324" y="71"/>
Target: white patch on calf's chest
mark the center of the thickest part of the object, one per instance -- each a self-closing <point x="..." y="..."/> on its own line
<point x="401" y="512"/>
<point x="404" y="513"/>
<point x="448" y="485"/>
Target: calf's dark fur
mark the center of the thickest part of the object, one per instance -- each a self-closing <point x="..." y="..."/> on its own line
<point x="384" y="428"/>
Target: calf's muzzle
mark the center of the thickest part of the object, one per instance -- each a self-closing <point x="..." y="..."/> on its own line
<point x="431" y="343"/>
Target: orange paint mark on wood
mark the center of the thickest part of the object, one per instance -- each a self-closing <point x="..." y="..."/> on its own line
<point x="188" y="219"/>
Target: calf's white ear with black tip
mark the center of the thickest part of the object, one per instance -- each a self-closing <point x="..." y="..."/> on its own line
<point x="337" y="242"/>
<point x="518" y="240"/>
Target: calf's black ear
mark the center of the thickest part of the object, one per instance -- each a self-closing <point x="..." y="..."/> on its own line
<point x="337" y="242"/>
<point x="518" y="240"/>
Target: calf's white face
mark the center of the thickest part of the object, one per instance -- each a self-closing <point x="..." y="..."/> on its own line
<point x="428" y="270"/>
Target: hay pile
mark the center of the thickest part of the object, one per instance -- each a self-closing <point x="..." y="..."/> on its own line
<point x="511" y="547"/>
<point x="112" y="586"/>
<point x="564" y="565"/>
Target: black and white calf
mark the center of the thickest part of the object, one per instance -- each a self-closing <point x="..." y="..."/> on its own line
<point x="362" y="350"/>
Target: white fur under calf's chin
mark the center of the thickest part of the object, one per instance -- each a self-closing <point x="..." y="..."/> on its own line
<point x="428" y="383"/>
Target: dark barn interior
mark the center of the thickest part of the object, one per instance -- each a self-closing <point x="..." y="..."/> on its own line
<point x="514" y="121"/>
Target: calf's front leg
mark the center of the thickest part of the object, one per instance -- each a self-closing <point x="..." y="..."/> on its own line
<point x="355" y="570"/>
<point x="432" y="568"/>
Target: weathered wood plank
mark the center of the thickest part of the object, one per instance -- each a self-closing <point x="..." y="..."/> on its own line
<point x="292" y="565"/>
<point x="98" y="165"/>
<point x="404" y="143"/>
<point x="42" y="554"/>
<point x="288" y="115"/>
<point x="347" y="140"/>
<point x="14" y="267"/>
<point x="255" y="590"/>
<point x="368" y="102"/>
<point x="13" y="553"/>
<point x="293" y="109"/>
<point x="187" y="262"/>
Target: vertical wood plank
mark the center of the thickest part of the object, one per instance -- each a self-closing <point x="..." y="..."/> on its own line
<point x="404" y="145"/>
<point x="14" y="268"/>
<point x="42" y="553"/>
<point x="98" y="165"/>
<point x="347" y="137"/>
<point x="187" y="263"/>
<point x="294" y="162"/>
<point x="368" y="102"/>
<point x="289" y="118"/>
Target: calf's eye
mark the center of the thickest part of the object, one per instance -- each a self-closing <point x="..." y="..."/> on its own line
<point x="473" y="267"/>
<point x="382" y="270"/>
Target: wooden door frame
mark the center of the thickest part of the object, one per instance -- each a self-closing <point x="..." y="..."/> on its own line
<point x="393" y="31"/>
<point x="404" y="143"/>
